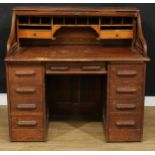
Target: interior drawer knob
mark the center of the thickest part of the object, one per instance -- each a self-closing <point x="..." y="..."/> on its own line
<point x="117" y="35"/>
<point x="27" y="123"/>
<point x="34" y="34"/>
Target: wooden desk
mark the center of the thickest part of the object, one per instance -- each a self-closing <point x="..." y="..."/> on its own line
<point x="81" y="61"/>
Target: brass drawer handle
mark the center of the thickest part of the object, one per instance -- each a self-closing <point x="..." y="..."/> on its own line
<point x="125" y="106"/>
<point x="59" y="68"/>
<point x="26" y="106"/>
<point x="126" y="90"/>
<point x="27" y="123"/>
<point x="125" y="123"/>
<point x="90" y="68"/>
<point x="25" y="73"/>
<point x="25" y="90"/>
<point x="126" y="73"/>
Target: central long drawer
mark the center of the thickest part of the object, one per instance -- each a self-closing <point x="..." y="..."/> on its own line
<point x="76" y="68"/>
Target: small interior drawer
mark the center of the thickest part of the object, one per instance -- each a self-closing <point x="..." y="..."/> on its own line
<point x="116" y="34"/>
<point x="75" y="68"/>
<point x="35" y="34"/>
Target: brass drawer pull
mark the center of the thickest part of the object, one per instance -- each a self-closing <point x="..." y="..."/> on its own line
<point x="26" y="106"/>
<point x="25" y="73"/>
<point x="125" y="123"/>
<point x="59" y="68"/>
<point x="126" y="90"/>
<point x="25" y="90"/>
<point x="126" y="73"/>
<point x="125" y="106"/>
<point x="90" y="68"/>
<point x="27" y="123"/>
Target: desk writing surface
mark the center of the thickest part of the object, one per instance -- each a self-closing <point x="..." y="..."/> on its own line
<point x="75" y="53"/>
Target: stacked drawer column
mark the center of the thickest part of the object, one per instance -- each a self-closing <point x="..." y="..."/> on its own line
<point x="26" y="101"/>
<point x="125" y="102"/>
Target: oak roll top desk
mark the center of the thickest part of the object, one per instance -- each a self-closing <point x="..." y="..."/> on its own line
<point x="85" y="61"/>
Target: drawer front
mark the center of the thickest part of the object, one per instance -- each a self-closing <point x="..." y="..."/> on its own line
<point x="27" y="74"/>
<point x="26" y="106"/>
<point x="27" y="135"/>
<point x="130" y="91"/>
<point x="75" y="68"/>
<point x="120" y="135"/>
<point x="35" y="34"/>
<point x="126" y="73"/>
<point x="125" y="121"/>
<point x="27" y="122"/>
<point x="116" y="34"/>
<point x="125" y="105"/>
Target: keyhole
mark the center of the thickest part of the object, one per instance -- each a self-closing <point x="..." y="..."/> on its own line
<point x="34" y="34"/>
<point x="117" y="35"/>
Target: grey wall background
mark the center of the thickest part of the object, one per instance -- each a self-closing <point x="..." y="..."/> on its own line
<point x="148" y="23"/>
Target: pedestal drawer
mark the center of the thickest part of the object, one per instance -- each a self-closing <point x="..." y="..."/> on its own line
<point x="127" y="135"/>
<point x="29" y="73"/>
<point x="27" y="121"/>
<point x="126" y="73"/>
<point x="129" y="90"/>
<point x="125" y="105"/>
<point x="27" y="135"/>
<point x="125" y="121"/>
